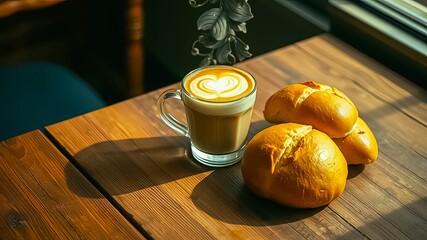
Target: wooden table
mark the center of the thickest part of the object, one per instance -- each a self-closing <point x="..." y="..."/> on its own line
<point x="145" y="170"/>
<point x="43" y="196"/>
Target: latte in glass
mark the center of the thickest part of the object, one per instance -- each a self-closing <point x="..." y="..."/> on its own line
<point x="218" y="108"/>
<point x="218" y="102"/>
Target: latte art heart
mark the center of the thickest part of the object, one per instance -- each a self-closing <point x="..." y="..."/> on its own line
<point x="219" y="85"/>
<point x="224" y="86"/>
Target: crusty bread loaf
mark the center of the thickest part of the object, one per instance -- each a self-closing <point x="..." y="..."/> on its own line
<point x="326" y="109"/>
<point x="294" y="165"/>
<point x="360" y="146"/>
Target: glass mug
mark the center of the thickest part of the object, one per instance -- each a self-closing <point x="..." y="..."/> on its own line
<point x="218" y="103"/>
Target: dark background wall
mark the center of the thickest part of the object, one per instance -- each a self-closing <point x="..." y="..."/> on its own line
<point x="170" y="30"/>
<point x="89" y="37"/>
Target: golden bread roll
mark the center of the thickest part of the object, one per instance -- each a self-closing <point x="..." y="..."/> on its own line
<point x="326" y="109"/>
<point x="360" y="146"/>
<point x="294" y="165"/>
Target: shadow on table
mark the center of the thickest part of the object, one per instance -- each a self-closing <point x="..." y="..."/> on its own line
<point x="355" y="170"/>
<point x="128" y="165"/>
<point x="229" y="200"/>
<point x="124" y="166"/>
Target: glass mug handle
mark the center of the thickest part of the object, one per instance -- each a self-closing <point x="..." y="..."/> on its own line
<point x="167" y="118"/>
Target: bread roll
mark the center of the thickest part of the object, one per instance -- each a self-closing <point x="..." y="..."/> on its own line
<point x="326" y="109"/>
<point x="360" y="146"/>
<point x="294" y="165"/>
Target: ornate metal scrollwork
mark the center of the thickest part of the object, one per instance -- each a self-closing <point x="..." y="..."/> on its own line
<point x="218" y="43"/>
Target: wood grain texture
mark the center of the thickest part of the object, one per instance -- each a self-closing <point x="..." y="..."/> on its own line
<point x="147" y="168"/>
<point x="36" y="201"/>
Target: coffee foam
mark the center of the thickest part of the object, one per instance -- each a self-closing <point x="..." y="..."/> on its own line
<point x="219" y="91"/>
<point x="219" y="108"/>
<point x="219" y="84"/>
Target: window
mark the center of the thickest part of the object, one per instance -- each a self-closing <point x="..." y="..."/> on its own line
<point x="409" y="14"/>
<point x="394" y="32"/>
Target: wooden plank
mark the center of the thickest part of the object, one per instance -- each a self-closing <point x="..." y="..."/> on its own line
<point x="145" y="166"/>
<point x="43" y="196"/>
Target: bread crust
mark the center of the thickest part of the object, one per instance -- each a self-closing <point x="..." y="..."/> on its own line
<point x="326" y="109"/>
<point x="360" y="146"/>
<point x="294" y="165"/>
